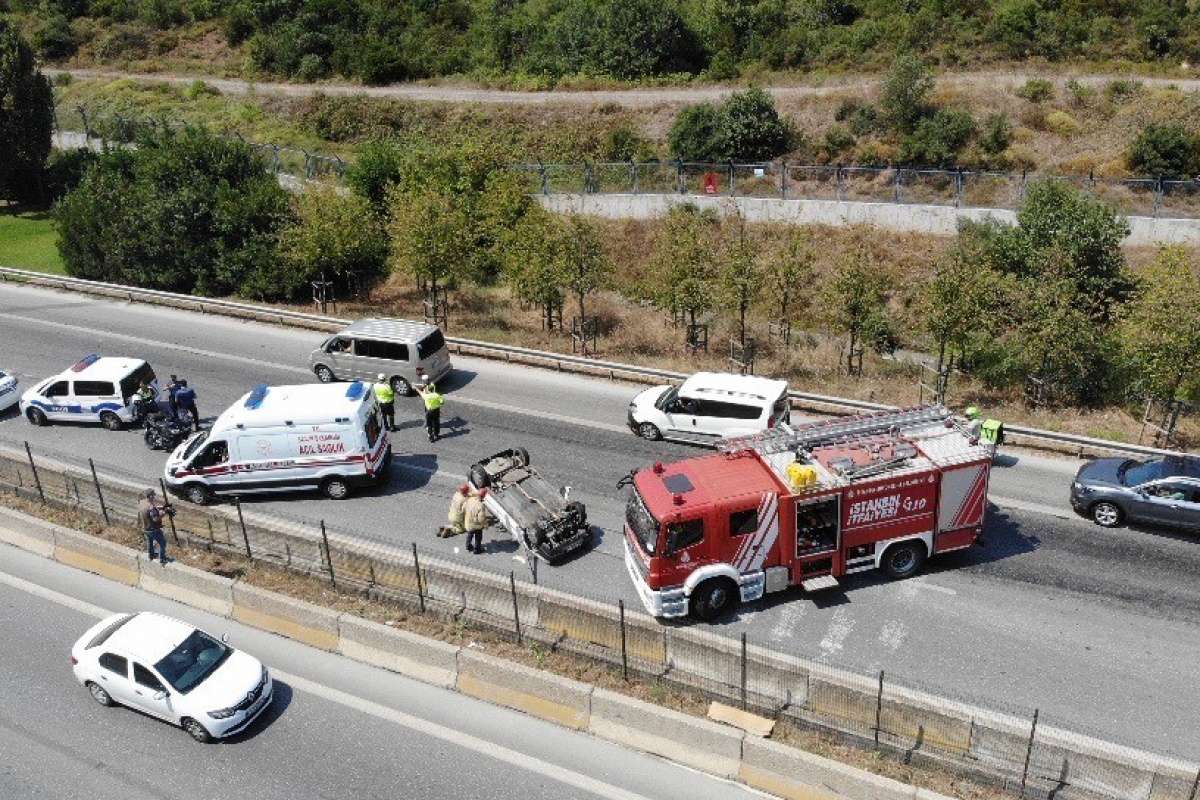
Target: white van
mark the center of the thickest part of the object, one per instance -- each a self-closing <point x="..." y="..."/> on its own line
<point x="97" y="389"/>
<point x="709" y="406"/>
<point x="286" y="438"/>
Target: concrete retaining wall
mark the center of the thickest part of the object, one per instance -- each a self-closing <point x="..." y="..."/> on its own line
<point x="589" y="621"/>
<point x="796" y="775"/>
<point x="26" y="532"/>
<point x="294" y="619"/>
<point x="427" y="660"/>
<point x="540" y="694"/>
<point x="901" y="217"/>
<point x="187" y="585"/>
<point x="96" y="555"/>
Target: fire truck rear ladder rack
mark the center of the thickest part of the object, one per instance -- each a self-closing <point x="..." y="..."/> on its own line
<point x="785" y="438"/>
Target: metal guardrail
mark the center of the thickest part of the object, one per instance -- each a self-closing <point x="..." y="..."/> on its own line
<point x="524" y="355"/>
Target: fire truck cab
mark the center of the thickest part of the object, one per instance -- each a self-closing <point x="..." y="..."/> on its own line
<point x="804" y="506"/>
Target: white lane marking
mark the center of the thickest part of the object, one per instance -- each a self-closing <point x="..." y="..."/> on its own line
<point x="933" y="587"/>
<point x="893" y="634"/>
<point x="789" y="617"/>
<point x="422" y="726"/>
<point x="840" y="627"/>
<point x="257" y="362"/>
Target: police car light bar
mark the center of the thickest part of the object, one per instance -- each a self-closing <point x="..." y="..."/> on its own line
<point x="86" y="362"/>
<point x="355" y="390"/>
<point x="257" y="396"/>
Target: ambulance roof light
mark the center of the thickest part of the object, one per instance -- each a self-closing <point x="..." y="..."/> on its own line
<point x="255" y="400"/>
<point x="355" y="390"/>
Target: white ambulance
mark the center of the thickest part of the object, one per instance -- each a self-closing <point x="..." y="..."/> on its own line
<point x="286" y="438"/>
<point x="96" y="389"/>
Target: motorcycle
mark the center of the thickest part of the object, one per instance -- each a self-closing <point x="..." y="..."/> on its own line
<point x="164" y="432"/>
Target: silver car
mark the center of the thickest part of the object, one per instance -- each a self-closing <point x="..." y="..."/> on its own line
<point x="399" y="349"/>
<point x="1161" y="491"/>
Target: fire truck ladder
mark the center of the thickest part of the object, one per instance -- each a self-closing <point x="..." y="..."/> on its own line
<point x="813" y="434"/>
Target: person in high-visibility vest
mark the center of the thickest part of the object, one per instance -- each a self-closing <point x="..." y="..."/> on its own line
<point x="433" y="409"/>
<point x="989" y="432"/>
<point x="386" y="396"/>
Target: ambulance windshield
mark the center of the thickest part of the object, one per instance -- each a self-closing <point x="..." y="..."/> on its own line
<point x="641" y="522"/>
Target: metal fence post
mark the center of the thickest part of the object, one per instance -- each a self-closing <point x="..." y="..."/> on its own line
<point x="732" y="184"/>
<point x="37" y="481"/>
<point x="99" y="494"/>
<point x="329" y="555"/>
<point x="1029" y="752"/>
<point x="896" y="187"/>
<point x="417" y="570"/>
<point x="743" y="670"/>
<point x="837" y="183"/>
<point x="170" y="518"/>
<point x="783" y="181"/>
<point x="624" y="650"/>
<point x="1158" y="196"/>
<point x="879" y="707"/>
<point x="237" y="501"/>
<point x="633" y="176"/>
<point x="680" y="186"/>
<point x="512" y="583"/>
<point x="545" y="179"/>
<point x="958" y="189"/>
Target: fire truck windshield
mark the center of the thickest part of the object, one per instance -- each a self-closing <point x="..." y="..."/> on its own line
<point x="641" y="522"/>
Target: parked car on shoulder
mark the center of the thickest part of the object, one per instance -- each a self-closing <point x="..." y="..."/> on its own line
<point x="1160" y="491"/>
<point x="174" y="671"/>
<point x="709" y="406"/>
<point x="10" y="390"/>
<point x="399" y="349"/>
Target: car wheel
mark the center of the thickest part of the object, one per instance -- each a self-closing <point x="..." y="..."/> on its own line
<point x="713" y="598"/>
<point x="324" y="374"/>
<point x="649" y="431"/>
<point x="402" y="387"/>
<point x="198" y="493"/>
<point x="904" y="560"/>
<point x="335" y="489"/>
<point x="196" y="730"/>
<point x="479" y="477"/>
<point x="522" y="456"/>
<point x="99" y="695"/>
<point x="36" y="417"/>
<point x="110" y="421"/>
<point x="1106" y="515"/>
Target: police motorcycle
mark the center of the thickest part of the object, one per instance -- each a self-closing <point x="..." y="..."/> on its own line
<point x="161" y="431"/>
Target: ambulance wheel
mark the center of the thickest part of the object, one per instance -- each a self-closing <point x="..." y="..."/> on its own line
<point x="335" y="489"/>
<point x="324" y="374"/>
<point x="36" y="417"/>
<point x="713" y="598"/>
<point x="1106" y="515"/>
<point x="649" y="431"/>
<point x="402" y="387"/>
<point x="904" y="560"/>
<point x="479" y="477"/>
<point x="522" y="456"/>
<point x="110" y="421"/>
<point x="197" y="493"/>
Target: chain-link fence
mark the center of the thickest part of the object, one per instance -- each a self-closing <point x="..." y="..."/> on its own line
<point x="1013" y="750"/>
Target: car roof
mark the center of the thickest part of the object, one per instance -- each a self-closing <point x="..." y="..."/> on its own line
<point x="300" y="404"/>
<point x="730" y="386"/>
<point x="148" y="637"/>
<point x="402" y="330"/>
<point x="100" y="368"/>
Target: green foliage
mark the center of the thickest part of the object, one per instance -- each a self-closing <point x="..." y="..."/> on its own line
<point x="26" y="118"/>
<point x="626" y="144"/>
<point x="334" y="236"/>
<point x="1166" y="150"/>
<point x="855" y="304"/>
<point x="996" y="135"/>
<point x="746" y="127"/>
<point x="586" y="266"/>
<point x="185" y="211"/>
<point x="787" y="272"/>
<point x="533" y="261"/>
<point x="1036" y="90"/>
<point x="837" y="140"/>
<point x="1160" y="331"/>
<point x="65" y="169"/>
<point x="906" y="91"/>
<point x="741" y="275"/>
<point x="958" y="304"/>
<point x="860" y="117"/>
<point x="695" y="133"/>
<point x="683" y="269"/>
<point x="1122" y="89"/>
<point x="938" y="139"/>
<point x="52" y="37"/>
<point x="378" y="167"/>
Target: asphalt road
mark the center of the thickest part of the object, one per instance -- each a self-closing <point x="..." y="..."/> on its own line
<point x="1098" y="629"/>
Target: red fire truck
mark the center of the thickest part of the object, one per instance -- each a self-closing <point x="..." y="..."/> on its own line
<point x="804" y="505"/>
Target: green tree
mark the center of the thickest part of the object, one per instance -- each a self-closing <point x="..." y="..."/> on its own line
<point x="904" y="96"/>
<point x="534" y="262"/>
<point x="741" y="275"/>
<point x="937" y="139"/>
<point x="185" y="211"/>
<point x="682" y="263"/>
<point x="694" y="134"/>
<point x="335" y="237"/>
<point x="379" y="166"/>
<point x="958" y="304"/>
<point x="26" y="118"/>
<point x="586" y="267"/>
<point x="1165" y="150"/>
<point x="855" y="304"/>
<point x="431" y="236"/>
<point x="750" y="129"/>
<point x="788" y="275"/>
<point x="1160" y="331"/>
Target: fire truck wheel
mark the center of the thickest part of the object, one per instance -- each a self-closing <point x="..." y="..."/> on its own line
<point x="1106" y="515"/>
<point x="904" y="560"/>
<point x="713" y="598"/>
<point x="648" y="431"/>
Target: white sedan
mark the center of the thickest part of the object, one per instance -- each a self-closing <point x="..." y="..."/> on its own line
<point x="9" y="390"/>
<point x="172" y="671"/>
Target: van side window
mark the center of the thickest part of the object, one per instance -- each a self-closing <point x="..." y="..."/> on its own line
<point x="719" y="408"/>
<point x="743" y="522"/>
<point x="373" y="348"/>
<point x="338" y="344"/>
<point x="57" y="389"/>
<point x="93" y="389"/>
<point x="685" y="534"/>
<point x="215" y="453"/>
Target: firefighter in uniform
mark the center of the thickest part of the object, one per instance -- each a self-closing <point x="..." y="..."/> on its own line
<point x="476" y="518"/>
<point x="457" y="513"/>
<point x="386" y="396"/>
<point x="989" y="432"/>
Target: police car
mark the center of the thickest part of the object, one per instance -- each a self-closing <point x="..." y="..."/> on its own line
<point x="96" y="389"/>
<point x="8" y="390"/>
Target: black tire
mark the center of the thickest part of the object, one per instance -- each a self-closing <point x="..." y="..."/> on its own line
<point x="195" y="730"/>
<point x="649" y="431"/>
<point x="904" y="560"/>
<point x="198" y="493"/>
<point x="1106" y="514"/>
<point x="577" y="509"/>
<point x="479" y="477"/>
<point x="111" y="421"/>
<point x="522" y="456"/>
<point x="401" y="387"/>
<point x="37" y="417"/>
<point x="99" y="694"/>
<point x="324" y="374"/>
<point x="713" y="598"/>
<point x="335" y="488"/>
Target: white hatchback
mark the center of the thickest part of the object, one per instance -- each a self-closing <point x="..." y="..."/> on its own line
<point x="170" y="670"/>
<point x="9" y="390"/>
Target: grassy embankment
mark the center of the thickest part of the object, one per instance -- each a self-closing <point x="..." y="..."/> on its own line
<point x="27" y="241"/>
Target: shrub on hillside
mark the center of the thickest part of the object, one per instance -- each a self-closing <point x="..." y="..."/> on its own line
<point x="938" y="139"/>
<point x="52" y="37"/>
<point x="379" y="165"/>
<point x="1036" y="90"/>
<point x="65" y="170"/>
<point x="996" y="135"/>
<point x="904" y="98"/>
<point x="1166" y="150"/>
<point x="746" y="127"/>
<point x="695" y="134"/>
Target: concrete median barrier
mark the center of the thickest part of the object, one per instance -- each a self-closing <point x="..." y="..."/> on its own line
<point x="691" y="741"/>
<point x="597" y="623"/>
<point x="772" y="680"/>
<point x="427" y="660"/>
<point x="112" y="561"/>
<point x="295" y="619"/>
<point x="478" y="592"/>
<point x="26" y="532"/>
<point x="797" y="775"/>
<point x="539" y="694"/>
<point x="187" y="585"/>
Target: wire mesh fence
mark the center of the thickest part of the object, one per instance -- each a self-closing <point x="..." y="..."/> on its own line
<point x="1012" y="749"/>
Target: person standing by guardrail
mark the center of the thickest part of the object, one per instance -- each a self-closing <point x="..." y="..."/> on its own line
<point x="433" y="409"/>
<point x="386" y="396"/>
<point x="150" y="516"/>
